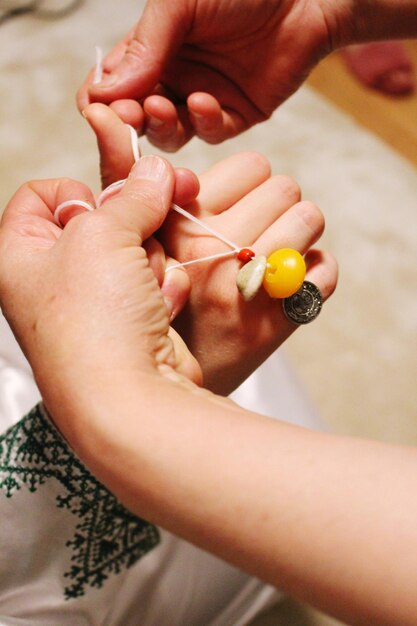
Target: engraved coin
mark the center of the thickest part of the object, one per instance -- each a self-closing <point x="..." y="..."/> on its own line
<point x="304" y="306"/>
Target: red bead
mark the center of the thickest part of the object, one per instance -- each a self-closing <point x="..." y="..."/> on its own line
<point x="245" y="255"/>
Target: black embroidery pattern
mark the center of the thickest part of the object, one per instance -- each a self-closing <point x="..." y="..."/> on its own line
<point x="107" y="537"/>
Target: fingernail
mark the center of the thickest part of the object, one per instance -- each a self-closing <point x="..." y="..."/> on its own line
<point x="150" y="167"/>
<point x="109" y="81"/>
<point x="84" y="113"/>
<point x="170" y="308"/>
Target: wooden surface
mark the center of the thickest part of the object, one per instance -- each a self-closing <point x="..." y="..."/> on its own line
<point x="394" y="119"/>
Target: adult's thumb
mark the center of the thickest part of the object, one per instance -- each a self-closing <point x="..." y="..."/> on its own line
<point x="158" y="35"/>
<point x="143" y="202"/>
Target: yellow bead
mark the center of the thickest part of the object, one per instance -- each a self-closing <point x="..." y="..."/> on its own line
<point x="284" y="274"/>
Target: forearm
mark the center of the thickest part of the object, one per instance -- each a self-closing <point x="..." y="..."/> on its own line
<point x="358" y="21"/>
<point x="305" y="511"/>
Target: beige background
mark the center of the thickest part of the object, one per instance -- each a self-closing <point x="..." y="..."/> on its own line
<point x="358" y="360"/>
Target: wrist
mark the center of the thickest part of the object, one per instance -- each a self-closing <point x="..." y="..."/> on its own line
<point x="86" y="405"/>
<point x="339" y="20"/>
<point x="130" y="428"/>
<point x="358" y="21"/>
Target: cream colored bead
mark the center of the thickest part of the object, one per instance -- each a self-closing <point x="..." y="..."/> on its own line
<point x="250" y="277"/>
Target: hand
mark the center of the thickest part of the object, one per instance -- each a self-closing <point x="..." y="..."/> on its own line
<point x="213" y="67"/>
<point x="86" y="299"/>
<point x="240" y="199"/>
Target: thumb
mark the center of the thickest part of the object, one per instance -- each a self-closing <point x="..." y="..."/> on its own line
<point x="158" y="35"/>
<point x="143" y="202"/>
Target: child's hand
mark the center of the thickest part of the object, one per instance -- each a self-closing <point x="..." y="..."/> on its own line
<point x="241" y="200"/>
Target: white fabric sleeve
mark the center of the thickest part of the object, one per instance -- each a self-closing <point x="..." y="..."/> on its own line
<point x="65" y="539"/>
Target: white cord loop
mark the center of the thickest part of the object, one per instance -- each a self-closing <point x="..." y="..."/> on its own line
<point x="68" y="203"/>
<point x="116" y="186"/>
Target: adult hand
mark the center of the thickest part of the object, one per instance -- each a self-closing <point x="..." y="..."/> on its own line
<point x="241" y="200"/>
<point x="86" y="299"/>
<point x="85" y="304"/>
<point x="213" y="67"/>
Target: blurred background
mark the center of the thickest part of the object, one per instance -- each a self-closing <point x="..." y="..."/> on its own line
<point x="354" y="153"/>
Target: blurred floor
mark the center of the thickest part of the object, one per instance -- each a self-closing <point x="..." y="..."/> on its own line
<point x="394" y="119"/>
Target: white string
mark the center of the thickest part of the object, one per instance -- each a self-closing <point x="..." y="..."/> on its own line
<point x="98" y="72"/>
<point x="192" y="218"/>
<point x="134" y="142"/>
<point x="64" y="205"/>
<point x="116" y="186"/>
<point x="201" y="259"/>
<point x="109" y="191"/>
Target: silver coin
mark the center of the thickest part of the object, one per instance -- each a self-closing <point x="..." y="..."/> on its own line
<point x="304" y="305"/>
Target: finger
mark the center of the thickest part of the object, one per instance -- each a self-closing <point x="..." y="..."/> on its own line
<point x="130" y="112"/>
<point x="116" y="54"/>
<point x="187" y="76"/>
<point x="156" y="257"/>
<point x="166" y="126"/>
<point x="322" y="270"/>
<point x="212" y="123"/>
<point x="186" y="364"/>
<point x="114" y="57"/>
<point x="116" y="155"/>
<point x="299" y="228"/>
<point x="187" y="186"/>
<point x="175" y="283"/>
<point x="34" y="204"/>
<point x="247" y="170"/>
<point x="143" y="202"/>
<point x="158" y="34"/>
<point x="258" y="210"/>
<point x="175" y="288"/>
<point x="114" y="143"/>
<point x="83" y="96"/>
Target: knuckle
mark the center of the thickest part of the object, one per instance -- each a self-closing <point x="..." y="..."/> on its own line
<point x="147" y="199"/>
<point x="311" y="216"/>
<point x="288" y="187"/>
<point x="259" y="163"/>
<point x="135" y="51"/>
<point x="211" y="137"/>
<point x="84" y="227"/>
<point x="170" y="142"/>
<point x="66" y="180"/>
<point x="192" y="248"/>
